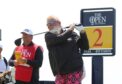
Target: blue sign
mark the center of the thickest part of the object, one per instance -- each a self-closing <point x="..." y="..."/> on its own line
<point x="99" y="24"/>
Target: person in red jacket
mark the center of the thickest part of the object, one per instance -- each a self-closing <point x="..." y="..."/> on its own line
<point x="27" y="59"/>
<point x="65" y="51"/>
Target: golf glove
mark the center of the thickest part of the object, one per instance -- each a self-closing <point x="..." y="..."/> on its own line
<point x="79" y="28"/>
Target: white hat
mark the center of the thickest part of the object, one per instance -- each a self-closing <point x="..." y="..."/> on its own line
<point x="27" y="31"/>
<point x="1" y="46"/>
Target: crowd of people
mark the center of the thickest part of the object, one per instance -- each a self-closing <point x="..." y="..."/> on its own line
<point x="65" y="49"/>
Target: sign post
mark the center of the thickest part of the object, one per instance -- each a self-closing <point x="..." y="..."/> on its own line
<point x="99" y="24"/>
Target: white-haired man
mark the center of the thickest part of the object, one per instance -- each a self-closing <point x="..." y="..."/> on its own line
<point x="64" y="55"/>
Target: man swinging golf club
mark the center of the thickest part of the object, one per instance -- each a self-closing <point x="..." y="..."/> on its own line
<point x="64" y="55"/>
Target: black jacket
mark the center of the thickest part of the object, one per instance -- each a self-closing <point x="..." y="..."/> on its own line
<point x="36" y="63"/>
<point x="64" y="55"/>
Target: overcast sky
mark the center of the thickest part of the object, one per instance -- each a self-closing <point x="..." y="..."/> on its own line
<point x="15" y="15"/>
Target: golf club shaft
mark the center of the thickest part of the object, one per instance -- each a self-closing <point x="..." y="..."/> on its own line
<point x="39" y="33"/>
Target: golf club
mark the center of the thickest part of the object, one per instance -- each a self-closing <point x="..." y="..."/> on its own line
<point x="18" y="41"/>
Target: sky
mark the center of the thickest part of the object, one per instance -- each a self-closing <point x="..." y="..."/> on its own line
<point x="16" y="15"/>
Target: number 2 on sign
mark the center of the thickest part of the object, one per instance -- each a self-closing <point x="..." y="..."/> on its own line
<point x="97" y="42"/>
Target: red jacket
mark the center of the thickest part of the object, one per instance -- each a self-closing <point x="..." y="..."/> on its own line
<point x="24" y="73"/>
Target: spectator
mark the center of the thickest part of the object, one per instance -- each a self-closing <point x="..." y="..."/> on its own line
<point x="27" y="59"/>
<point x="4" y="69"/>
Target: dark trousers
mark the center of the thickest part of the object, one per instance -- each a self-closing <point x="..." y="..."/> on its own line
<point x="21" y="82"/>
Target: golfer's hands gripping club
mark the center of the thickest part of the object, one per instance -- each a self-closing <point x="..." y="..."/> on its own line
<point x="71" y="27"/>
<point x="80" y="29"/>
